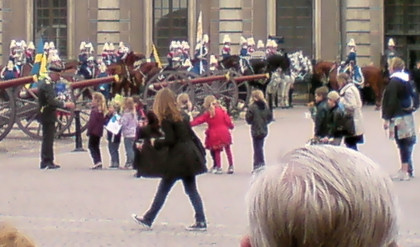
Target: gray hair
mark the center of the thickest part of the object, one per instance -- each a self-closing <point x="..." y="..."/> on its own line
<point x="322" y="196"/>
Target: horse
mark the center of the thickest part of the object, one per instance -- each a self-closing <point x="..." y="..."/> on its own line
<point x="374" y="79"/>
<point x="125" y="71"/>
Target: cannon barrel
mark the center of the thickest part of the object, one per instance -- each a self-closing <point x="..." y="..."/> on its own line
<point x="251" y="77"/>
<point x="94" y="82"/>
<point x="193" y="81"/>
<point x="17" y="82"/>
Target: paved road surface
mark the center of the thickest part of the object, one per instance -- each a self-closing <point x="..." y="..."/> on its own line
<point x="75" y="206"/>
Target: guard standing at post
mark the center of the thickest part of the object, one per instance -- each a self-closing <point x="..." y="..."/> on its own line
<point x="48" y="105"/>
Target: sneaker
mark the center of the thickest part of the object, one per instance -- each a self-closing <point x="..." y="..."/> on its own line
<point x="198" y="226"/>
<point x="141" y="222"/>
<point x="218" y="170"/>
<point x="230" y="170"/>
<point x="401" y="176"/>
<point x="97" y="166"/>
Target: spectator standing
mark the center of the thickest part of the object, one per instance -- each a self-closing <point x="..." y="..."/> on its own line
<point x="129" y="124"/>
<point x="218" y="136"/>
<point x="114" y="139"/>
<point x="184" y="160"/>
<point x="95" y="128"/>
<point x="258" y="116"/>
<point x="351" y="101"/>
<point x="398" y="119"/>
<point x="334" y="117"/>
<point x="319" y="112"/>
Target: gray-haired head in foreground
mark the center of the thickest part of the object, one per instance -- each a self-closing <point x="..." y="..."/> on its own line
<point x="322" y="196"/>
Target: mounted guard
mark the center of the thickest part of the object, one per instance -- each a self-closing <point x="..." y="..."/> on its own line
<point x="200" y="55"/>
<point x="214" y="65"/>
<point x="185" y="51"/>
<point x="226" y="46"/>
<point x="390" y="53"/>
<point x="122" y="51"/>
<point x="9" y="72"/>
<point x="251" y="45"/>
<point x="30" y="53"/>
<point x="350" y="65"/>
<point x="244" y="47"/>
<point x="106" y="56"/>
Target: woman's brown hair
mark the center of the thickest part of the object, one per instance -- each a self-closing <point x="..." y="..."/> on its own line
<point x="165" y="106"/>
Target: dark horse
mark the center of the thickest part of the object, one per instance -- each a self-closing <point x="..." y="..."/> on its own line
<point x="128" y="81"/>
<point x="256" y="66"/>
<point x="325" y="72"/>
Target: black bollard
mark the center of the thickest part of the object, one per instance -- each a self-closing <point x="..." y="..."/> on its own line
<point x="79" y="145"/>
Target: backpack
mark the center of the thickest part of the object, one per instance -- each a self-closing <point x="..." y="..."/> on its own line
<point x="345" y="122"/>
<point x="412" y="103"/>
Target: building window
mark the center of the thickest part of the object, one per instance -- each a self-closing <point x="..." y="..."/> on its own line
<point x="50" y="19"/>
<point x="170" y="22"/>
<point x="295" y="23"/>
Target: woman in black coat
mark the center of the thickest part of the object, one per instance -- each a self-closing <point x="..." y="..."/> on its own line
<point x="183" y="160"/>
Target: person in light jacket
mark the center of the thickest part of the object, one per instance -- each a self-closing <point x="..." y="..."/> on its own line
<point x="352" y="102"/>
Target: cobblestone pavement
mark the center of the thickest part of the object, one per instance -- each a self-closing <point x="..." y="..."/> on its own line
<point x="75" y="206"/>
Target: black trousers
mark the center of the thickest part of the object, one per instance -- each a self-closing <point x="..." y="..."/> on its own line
<point x="165" y="186"/>
<point x="94" y="149"/>
<point x="258" y="144"/>
<point x="47" y="152"/>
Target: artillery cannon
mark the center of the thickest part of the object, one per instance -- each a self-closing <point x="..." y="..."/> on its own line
<point x="27" y="107"/>
<point x="223" y="86"/>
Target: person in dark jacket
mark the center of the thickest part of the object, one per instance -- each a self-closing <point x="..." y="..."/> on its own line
<point x="184" y="160"/>
<point x="48" y="105"/>
<point x="398" y="120"/>
<point x="95" y="128"/>
<point x="415" y="73"/>
<point x="335" y="114"/>
<point x="319" y="113"/>
<point x="258" y="116"/>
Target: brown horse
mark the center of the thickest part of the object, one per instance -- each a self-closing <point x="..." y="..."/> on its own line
<point x="325" y="71"/>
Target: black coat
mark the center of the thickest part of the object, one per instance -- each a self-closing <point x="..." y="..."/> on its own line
<point x="47" y="101"/>
<point x="259" y="116"/>
<point x="321" y="119"/>
<point x="175" y="155"/>
<point x="395" y="92"/>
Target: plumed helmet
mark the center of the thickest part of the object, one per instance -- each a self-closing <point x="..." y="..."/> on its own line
<point x="205" y="39"/>
<point x="391" y="42"/>
<point x="51" y="45"/>
<point x="351" y="43"/>
<point x="46" y="46"/>
<point x="185" y="45"/>
<point x="198" y="46"/>
<point x="178" y="44"/>
<point x="91" y="59"/>
<point x="121" y="44"/>
<point x="260" y="44"/>
<point x="18" y="43"/>
<point x="10" y="65"/>
<point x="31" y="45"/>
<point x="111" y="46"/>
<point x="12" y="43"/>
<point x="226" y="38"/>
<point x="105" y="47"/>
<point x="243" y="40"/>
<point x="274" y="44"/>
<point x="269" y="43"/>
<point x="251" y="41"/>
<point x="82" y="45"/>
<point x="172" y="45"/>
<point x="213" y="59"/>
<point x="23" y="43"/>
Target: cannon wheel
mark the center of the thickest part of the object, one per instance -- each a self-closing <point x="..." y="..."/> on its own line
<point x="226" y="91"/>
<point x="7" y="112"/>
<point x="184" y="87"/>
<point x="27" y="114"/>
